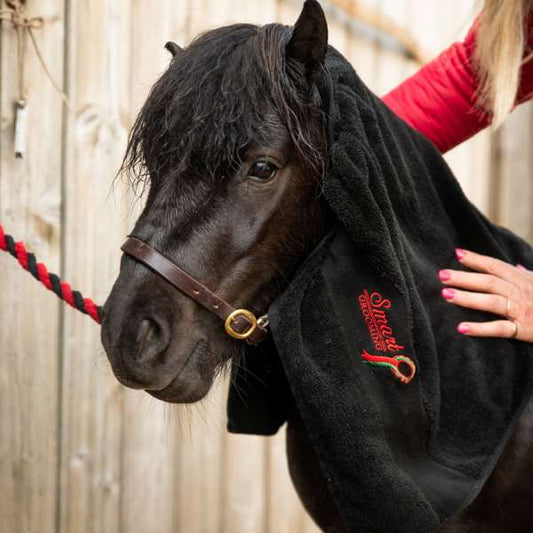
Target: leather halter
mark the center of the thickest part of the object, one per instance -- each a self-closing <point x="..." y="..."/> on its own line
<point x="239" y="323"/>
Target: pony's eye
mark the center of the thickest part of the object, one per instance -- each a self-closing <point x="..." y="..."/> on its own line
<point x="262" y="170"/>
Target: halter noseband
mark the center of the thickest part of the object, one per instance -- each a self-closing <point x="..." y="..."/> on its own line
<point x="239" y="323"/>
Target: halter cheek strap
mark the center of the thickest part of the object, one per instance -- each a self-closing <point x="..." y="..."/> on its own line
<point x="239" y="323"/>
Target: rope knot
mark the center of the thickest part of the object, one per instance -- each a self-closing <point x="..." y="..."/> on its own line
<point x="16" y="14"/>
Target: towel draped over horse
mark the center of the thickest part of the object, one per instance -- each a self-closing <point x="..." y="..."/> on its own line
<point x="407" y="416"/>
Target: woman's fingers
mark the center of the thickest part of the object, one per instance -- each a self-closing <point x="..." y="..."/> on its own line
<point x="495" y="287"/>
<point x="493" y="303"/>
<point x="489" y="265"/>
<point x="476" y="282"/>
<point x="497" y="328"/>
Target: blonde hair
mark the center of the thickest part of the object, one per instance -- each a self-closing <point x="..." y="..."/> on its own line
<point x="499" y="54"/>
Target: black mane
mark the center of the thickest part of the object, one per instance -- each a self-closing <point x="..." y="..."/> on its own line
<point x="210" y="104"/>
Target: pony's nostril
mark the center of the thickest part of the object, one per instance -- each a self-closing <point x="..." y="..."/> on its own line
<point x="147" y="329"/>
<point x="149" y="339"/>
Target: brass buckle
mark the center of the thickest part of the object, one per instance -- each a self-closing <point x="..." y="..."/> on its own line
<point x="246" y="314"/>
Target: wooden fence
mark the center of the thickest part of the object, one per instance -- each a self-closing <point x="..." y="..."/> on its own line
<point x="78" y="452"/>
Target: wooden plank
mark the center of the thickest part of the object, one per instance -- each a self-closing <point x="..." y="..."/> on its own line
<point x="148" y="57"/>
<point x="383" y="26"/>
<point x="285" y="512"/>
<point x="149" y="444"/>
<point x="250" y="467"/>
<point x="289" y="11"/>
<point x="244" y="494"/>
<point x="180" y="25"/>
<point x="95" y="219"/>
<point x="148" y="500"/>
<point x="363" y="51"/>
<point x="392" y="63"/>
<point x="201" y="432"/>
<point x="338" y="27"/>
<point x="471" y="164"/>
<point x="208" y="14"/>
<point x="30" y="205"/>
<point x="514" y="166"/>
<point x="264" y="12"/>
<point x="214" y="467"/>
<point x="200" y="429"/>
<point x="470" y="161"/>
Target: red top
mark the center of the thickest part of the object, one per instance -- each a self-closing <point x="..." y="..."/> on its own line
<point x="440" y="99"/>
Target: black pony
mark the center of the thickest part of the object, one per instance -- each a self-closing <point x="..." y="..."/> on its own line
<point x="232" y="145"/>
<point x="231" y="142"/>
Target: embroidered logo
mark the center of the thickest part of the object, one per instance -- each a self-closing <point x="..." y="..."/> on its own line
<point x="374" y="308"/>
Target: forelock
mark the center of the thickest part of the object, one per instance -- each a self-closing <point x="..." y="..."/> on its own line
<point x="211" y="103"/>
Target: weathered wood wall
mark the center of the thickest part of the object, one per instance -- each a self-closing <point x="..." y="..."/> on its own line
<point x="79" y="453"/>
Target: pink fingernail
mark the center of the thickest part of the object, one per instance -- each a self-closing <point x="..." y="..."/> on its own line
<point x="445" y="275"/>
<point x="462" y="328"/>
<point x="521" y="267"/>
<point x="448" y="293"/>
<point x="460" y="253"/>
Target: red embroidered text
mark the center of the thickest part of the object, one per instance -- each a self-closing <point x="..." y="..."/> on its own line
<point x="374" y="308"/>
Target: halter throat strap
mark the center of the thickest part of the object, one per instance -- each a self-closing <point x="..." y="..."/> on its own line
<point x="239" y="323"/>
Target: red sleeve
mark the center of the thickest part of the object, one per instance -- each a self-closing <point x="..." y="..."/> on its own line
<point x="440" y="99"/>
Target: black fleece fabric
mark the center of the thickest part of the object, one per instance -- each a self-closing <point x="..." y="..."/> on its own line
<point x="402" y="452"/>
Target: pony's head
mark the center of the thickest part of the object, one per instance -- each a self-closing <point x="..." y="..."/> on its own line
<point x="231" y="146"/>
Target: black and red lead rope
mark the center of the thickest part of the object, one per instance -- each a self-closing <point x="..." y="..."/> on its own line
<point x="52" y="282"/>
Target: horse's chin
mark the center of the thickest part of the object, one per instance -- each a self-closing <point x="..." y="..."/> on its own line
<point x="193" y="381"/>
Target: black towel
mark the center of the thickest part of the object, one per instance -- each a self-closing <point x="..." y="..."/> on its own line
<point x="364" y="313"/>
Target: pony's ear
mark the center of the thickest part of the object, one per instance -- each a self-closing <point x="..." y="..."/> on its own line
<point x="173" y="48"/>
<point x="309" y="41"/>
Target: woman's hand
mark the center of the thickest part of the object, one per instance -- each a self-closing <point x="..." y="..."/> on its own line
<point x="496" y="287"/>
